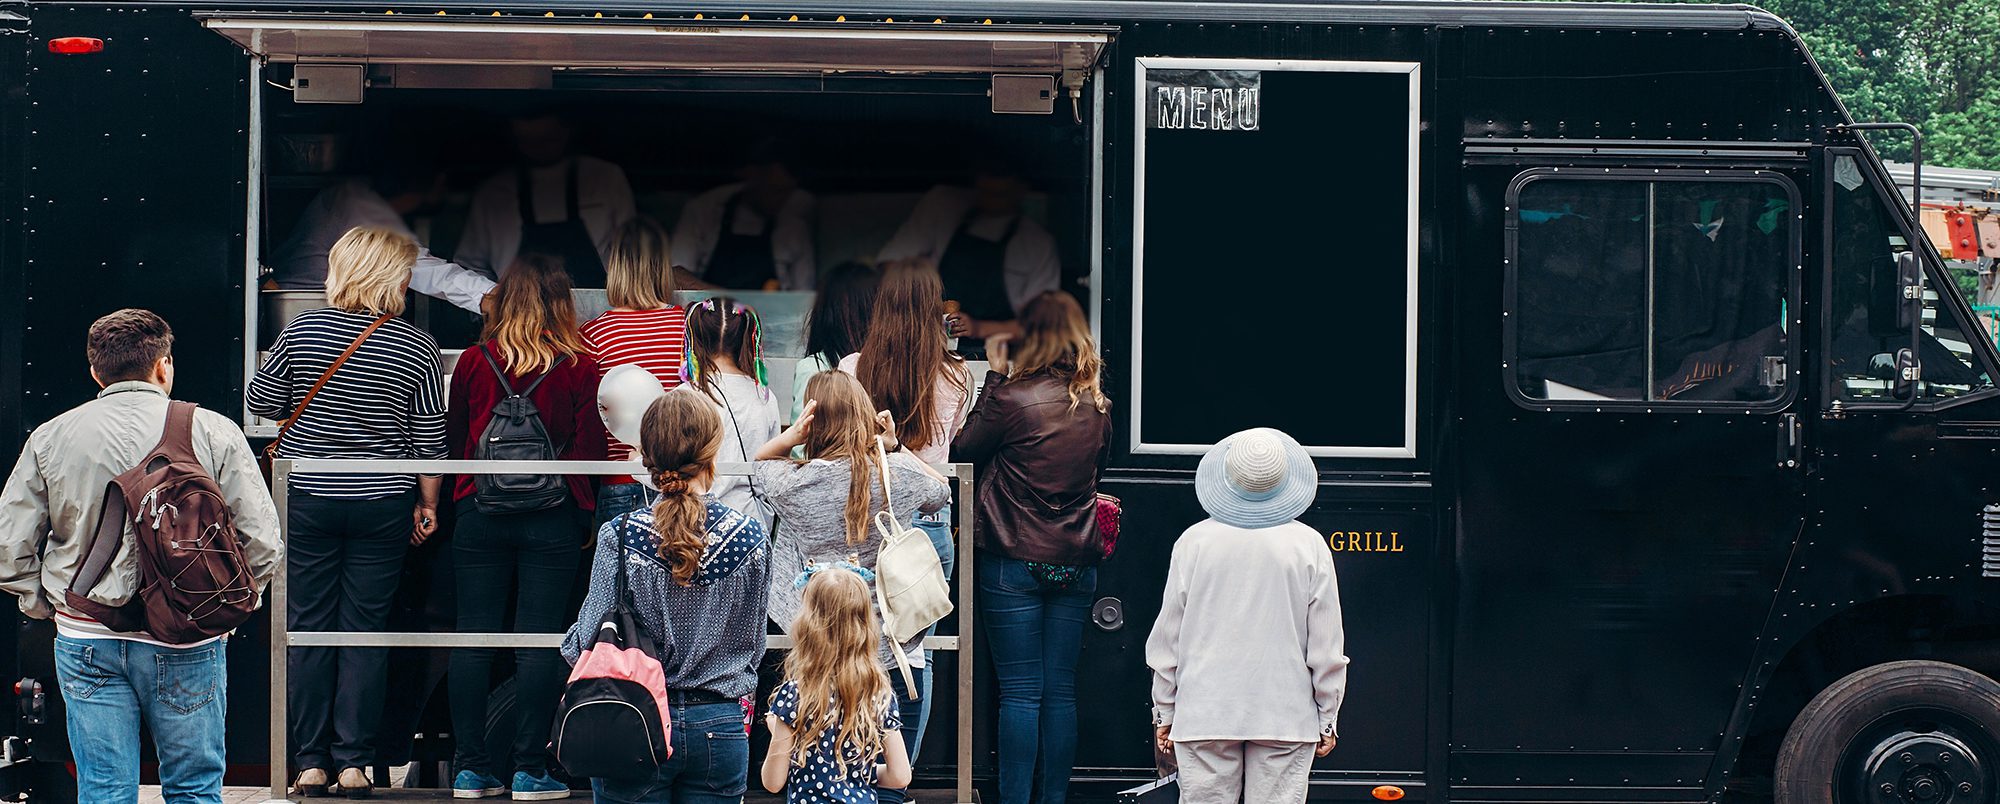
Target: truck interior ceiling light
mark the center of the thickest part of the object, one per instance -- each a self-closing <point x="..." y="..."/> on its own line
<point x="76" y="45"/>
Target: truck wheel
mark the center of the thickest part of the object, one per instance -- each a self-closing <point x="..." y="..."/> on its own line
<point x="1898" y="733"/>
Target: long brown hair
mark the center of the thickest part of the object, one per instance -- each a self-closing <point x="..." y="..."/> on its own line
<point x="679" y="437"/>
<point x="722" y="325"/>
<point x="833" y="662"/>
<point x="905" y="352"/>
<point x="1056" y="338"/>
<point x="843" y="426"/>
<point x="534" y="318"/>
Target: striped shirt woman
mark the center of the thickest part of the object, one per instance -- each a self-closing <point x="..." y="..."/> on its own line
<point x="386" y="401"/>
<point x="346" y="535"/>
<point x="643" y="328"/>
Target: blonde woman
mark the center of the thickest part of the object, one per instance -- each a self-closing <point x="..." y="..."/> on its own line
<point x="504" y="548"/>
<point x="1040" y="432"/>
<point x="347" y="533"/>
<point x="643" y="328"/>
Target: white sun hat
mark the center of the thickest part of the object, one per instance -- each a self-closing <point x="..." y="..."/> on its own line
<point x="1256" y="479"/>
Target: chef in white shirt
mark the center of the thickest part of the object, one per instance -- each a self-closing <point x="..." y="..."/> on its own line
<point x="992" y="257"/>
<point x="576" y="203"/>
<point x="300" y="262"/>
<point x="754" y="233"/>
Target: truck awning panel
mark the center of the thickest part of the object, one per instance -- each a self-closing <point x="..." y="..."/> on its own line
<point x="648" y="44"/>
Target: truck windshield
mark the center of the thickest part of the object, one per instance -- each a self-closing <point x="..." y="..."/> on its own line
<point x="1865" y="334"/>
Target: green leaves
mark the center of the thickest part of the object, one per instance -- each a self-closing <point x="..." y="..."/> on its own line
<point x="1935" y="63"/>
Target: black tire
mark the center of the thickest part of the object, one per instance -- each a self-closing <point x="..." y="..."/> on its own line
<point x="1824" y="757"/>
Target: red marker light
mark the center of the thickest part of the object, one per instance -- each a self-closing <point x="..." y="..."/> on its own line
<point x="1388" y="792"/>
<point x="75" y="45"/>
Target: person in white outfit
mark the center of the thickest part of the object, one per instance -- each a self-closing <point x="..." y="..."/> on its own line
<point x="300" y="262"/>
<point x="1247" y="655"/>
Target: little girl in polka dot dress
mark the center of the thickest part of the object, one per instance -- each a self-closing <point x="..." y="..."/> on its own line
<point x="834" y="718"/>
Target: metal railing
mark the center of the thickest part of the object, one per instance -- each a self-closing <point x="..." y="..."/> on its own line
<point x="283" y="639"/>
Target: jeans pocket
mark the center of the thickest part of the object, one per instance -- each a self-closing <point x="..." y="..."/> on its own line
<point x="187" y="680"/>
<point x="1011" y="575"/>
<point x="728" y="758"/>
<point x="77" y="671"/>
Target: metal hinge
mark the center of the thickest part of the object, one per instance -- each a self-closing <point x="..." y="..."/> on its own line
<point x="1773" y="371"/>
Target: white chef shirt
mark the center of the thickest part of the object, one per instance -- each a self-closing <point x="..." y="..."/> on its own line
<point x="1031" y="262"/>
<point x="700" y="227"/>
<point x="300" y="263"/>
<point x="493" y="225"/>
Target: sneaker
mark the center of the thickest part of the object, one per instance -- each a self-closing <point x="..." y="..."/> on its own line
<point x="473" y="784"/>
<point x="537" y="787"/>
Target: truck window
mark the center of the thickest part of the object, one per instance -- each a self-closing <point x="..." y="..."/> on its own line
<point x="1651" y="288"/>
<point x="1862" y="319"/>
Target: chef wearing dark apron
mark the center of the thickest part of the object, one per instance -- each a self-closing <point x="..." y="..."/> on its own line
<point x="567" y="238"/>
<point x="974" y="271"/>
<point x="741" y="261"/>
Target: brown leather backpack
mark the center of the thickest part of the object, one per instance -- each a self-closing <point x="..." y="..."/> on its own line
<point x="194" y="581"/>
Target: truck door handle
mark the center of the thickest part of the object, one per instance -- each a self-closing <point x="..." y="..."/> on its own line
<point x="1789" y="447"/>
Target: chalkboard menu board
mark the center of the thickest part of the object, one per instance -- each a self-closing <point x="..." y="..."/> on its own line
<point x="1275" y="254"/>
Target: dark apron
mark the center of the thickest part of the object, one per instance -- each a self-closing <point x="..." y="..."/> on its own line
<point x="974" y="271"/>
<point x="568" y="238"/>
<point x="741" y="261"/>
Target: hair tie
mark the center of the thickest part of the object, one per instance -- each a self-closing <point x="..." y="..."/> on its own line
<point x="816" y="567"/>
<point x="671" y="481"/>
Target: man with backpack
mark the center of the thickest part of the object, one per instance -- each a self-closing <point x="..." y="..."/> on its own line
<point x="130" y="492"/>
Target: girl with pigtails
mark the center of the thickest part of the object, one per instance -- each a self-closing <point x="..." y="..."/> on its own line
<point x="725" y="362"/>
<point x="696" y="572"/>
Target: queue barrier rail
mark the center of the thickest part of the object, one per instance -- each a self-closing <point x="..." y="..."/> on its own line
<point x="283" y="639"/>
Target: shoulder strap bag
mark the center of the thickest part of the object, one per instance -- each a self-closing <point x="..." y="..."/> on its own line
<point x="910" y="585"/>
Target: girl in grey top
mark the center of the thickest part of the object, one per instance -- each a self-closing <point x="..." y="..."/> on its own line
<point x="825" y="504"/>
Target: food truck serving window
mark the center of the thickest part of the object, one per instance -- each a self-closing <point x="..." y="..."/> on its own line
<point x="1652" y="287"/>
<point x="1303" y="175"/>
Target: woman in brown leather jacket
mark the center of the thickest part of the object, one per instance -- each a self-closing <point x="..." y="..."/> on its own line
<point x="1040" y="435"/>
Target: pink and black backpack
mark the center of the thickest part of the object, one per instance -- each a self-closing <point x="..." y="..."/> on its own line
<point x="613" y="722"/>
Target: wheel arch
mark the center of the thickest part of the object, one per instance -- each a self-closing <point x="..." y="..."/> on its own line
<point x="1958" y="630"/>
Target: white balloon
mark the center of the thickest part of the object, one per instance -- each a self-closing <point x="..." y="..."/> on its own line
<point x="622" y="399"/>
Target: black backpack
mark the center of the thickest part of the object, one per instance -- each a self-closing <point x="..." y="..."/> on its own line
<point x="516" y="433"/>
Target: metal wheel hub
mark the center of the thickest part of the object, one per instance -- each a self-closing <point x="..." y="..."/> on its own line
<point x="1930" y="767"/>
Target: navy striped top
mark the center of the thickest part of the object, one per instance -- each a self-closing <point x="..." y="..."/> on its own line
<point x="386" y="402"/>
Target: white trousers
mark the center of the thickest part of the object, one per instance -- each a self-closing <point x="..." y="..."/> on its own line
<point x="1229" y="772"/>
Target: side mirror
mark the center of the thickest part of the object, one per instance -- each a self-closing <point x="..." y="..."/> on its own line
<point x="1910" y="290"/>
<point x="1910" y="314"/>
<point x="1908" y="372"/>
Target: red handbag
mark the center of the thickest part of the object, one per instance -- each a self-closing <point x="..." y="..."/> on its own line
<point x="1110" y="513"/>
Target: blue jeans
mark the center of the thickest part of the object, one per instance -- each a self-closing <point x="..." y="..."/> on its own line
<point x="614" y="499"/>
<point x="938" y="527"/>
<point x="110" y="685"/>
<point x="710" y="765"/>
<point x="1034" y="636"/>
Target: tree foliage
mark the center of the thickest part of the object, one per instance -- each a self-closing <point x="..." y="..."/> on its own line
<point x="1935" y="63"/>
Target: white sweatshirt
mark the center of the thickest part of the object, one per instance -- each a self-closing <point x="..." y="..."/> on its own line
<point x="1248" y="645"/>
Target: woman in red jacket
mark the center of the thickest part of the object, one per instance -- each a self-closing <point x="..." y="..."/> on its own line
<point x="508" y="544"/>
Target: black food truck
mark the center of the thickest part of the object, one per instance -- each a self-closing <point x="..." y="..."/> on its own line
<point x="1657" y="453"/>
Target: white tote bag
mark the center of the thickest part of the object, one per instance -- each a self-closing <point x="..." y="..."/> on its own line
<point x="910" y="585"/>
